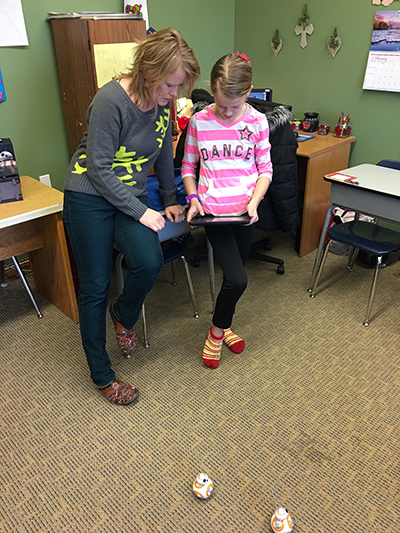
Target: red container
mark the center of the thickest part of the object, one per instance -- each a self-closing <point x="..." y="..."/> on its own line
<point x="342" y="132"/>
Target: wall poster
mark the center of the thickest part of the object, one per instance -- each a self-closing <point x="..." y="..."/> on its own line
<point x="12" y="24"/>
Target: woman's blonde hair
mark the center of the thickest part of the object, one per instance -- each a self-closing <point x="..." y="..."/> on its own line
<point x="231" y="76"/>
<point x="154" y="59"/>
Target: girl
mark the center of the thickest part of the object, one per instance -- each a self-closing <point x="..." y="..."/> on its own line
<point x="231" y="140"/>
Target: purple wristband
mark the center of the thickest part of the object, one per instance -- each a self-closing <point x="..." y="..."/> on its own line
<point x="188" y="198"/>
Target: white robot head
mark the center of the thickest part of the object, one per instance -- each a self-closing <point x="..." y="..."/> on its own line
<point x="202" y="479"/>
<point x="6" y="156"/>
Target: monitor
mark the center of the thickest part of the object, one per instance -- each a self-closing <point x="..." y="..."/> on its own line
<point x="261" y="94"/>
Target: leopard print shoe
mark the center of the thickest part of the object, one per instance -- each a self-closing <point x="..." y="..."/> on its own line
<point x="126" y="338"/>
<point x="120" y="393"/>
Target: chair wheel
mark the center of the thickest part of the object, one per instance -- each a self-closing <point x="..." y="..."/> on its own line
<point x="196" y="263"/>
<point x="280" y="269"/>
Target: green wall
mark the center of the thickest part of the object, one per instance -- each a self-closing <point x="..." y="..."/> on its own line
<point x="32" y="115"/>
<point x="310" y="79"/>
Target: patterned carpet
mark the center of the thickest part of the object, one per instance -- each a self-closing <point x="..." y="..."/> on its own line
<point x="307" y="417"/>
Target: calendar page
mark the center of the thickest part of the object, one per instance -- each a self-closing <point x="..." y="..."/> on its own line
<point x="383" y="67"/>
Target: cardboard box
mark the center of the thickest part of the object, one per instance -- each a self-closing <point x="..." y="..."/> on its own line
<point x="10" y="184"/>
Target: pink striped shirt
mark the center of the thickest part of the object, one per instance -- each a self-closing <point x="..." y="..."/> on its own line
<point x="232" y="157"/>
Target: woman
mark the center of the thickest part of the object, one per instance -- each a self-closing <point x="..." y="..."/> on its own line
<point x="105" y="201"/>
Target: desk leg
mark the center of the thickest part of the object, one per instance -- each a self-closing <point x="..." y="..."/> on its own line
<point x="51" y="267"/>
<point x="320" y="249"/>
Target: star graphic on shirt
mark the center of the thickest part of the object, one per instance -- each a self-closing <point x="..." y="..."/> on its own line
<point x="245" y="133"/>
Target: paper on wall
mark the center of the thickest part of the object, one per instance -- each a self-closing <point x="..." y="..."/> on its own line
<point x="111" y="60"/>
<point x="12" y="24"/>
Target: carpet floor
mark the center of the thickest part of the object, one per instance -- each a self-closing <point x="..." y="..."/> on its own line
<point x="306" y="417"/>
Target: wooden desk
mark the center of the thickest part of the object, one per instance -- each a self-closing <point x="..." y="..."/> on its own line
<point x="315" y="158"/>
<point x="34" y="225"/>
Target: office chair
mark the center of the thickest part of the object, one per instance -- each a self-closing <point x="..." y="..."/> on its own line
<point x="174" y="251"/>
<point x="24" y="281"/>
<point x="254" y="254"/>
<point x="371" y="238"/>
<point x="266" y="243"/>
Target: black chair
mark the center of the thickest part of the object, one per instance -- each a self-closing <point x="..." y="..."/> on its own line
<point x="266" y="244"/>
<point x="389" y="163"/>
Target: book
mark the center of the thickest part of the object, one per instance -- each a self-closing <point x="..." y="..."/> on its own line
<point x="345" y="178"/>
<point x="95" y="15"/>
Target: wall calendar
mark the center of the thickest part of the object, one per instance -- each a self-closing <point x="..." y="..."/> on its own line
<point x="383" y="67"/>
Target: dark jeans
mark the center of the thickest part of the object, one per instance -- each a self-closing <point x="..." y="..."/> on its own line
<point x="93" y="224"/>
<point x="231" y="244"/>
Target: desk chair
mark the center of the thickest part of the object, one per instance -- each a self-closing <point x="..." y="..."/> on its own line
<point x="390" y="163"/>
<point x="174" y="251"/>
<point x="24" y="281"/>
<point x="370" y="238"/>
<point x="255" y="254"/>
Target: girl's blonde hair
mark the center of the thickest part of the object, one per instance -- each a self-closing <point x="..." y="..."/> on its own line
<point x="155" y="58"/>
<point x="231" y="76"/>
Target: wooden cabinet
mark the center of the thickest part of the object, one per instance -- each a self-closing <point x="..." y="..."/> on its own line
<point x="73" y="44"/>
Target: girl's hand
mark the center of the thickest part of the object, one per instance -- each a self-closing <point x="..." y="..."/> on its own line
<point x="252" y="212"/>
<point x="152" y="219"/>
<point x="174" y="213"/>
<point x="194" y="209"/>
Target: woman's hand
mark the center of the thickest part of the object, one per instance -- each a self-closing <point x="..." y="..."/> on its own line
<point x="174" y="213"/>
<point x="252" y="212"/>
<point x="152" y="219"/>
<point x="194" y="209"/>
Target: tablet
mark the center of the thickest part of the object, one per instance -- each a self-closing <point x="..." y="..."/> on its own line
<point x="209" y="220"/>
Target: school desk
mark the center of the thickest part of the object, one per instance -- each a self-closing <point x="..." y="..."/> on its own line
<point x="369" y="189"/>
<point x="34" y="226"/>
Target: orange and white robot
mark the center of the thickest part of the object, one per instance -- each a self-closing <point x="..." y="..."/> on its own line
<point x="281" y="521"/>
<point x="203" y="486"/>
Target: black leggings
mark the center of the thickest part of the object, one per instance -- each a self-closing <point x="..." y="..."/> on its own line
<point x="231" y="244"/>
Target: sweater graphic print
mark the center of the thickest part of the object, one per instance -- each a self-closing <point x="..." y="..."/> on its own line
<point x="129" y="161"/>
<point x="232" y="157"/>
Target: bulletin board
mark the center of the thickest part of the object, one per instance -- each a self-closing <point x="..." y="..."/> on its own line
<point x="383" y="67"/>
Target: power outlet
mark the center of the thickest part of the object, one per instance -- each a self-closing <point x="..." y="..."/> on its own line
<point x="45" y="179"/>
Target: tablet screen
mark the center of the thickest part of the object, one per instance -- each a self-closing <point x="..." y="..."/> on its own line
<point x="210" y="220"/>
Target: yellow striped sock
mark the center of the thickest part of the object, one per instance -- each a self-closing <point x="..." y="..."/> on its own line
<point x="212" y="350"/>
<point x="234" y="342"/>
